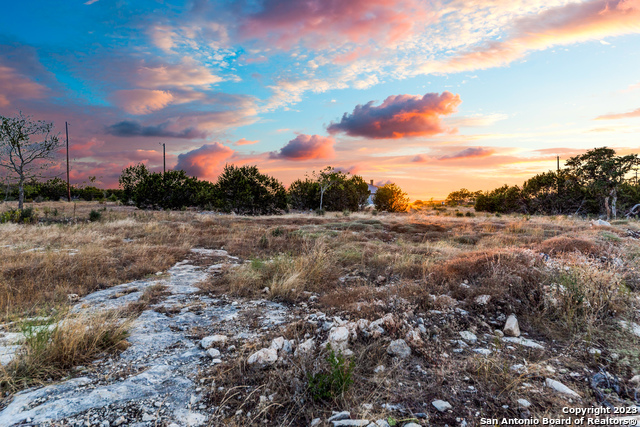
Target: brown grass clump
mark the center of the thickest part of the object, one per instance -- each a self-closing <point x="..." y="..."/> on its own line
<point x="564" y="244"/>
<point x="52" y="348"/>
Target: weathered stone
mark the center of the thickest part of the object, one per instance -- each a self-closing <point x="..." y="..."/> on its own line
<point x="469" y="337"/>
<point x="305" y="348"/>
<point x="399" y="348"/>
<point x="560" y="388"/>
<point x="277" y="343"/>
<point x="339" y="337"/>
<point x="209" y="341"/>
<point x="523" y="342"/>
<point x="524" y="403"/>
<point x="441" y="405"/>
<point x="350" y="423"/>
<point x="339" y="416"/>
<point x="264" y="357"/>
<point x="511" y="327"/>
<point x="482" y="299"/>
<point x="213" y="353"/>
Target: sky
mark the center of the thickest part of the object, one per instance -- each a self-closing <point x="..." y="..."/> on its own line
<point x="431" y="95"/>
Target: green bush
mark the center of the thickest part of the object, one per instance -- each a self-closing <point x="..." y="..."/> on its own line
<point x="391" y="198"/>
<point x="95" y="215"/>
<point x="19" y="216"/>
<point x="334" y="381"/>
<point x="245" y="191"/>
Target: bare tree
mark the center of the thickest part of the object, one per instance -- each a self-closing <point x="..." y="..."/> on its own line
<point x="22" y="156"/>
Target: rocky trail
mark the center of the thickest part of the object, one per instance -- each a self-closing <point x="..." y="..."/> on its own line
<point x="162" y="379"/>
<point x="153" y="382"/>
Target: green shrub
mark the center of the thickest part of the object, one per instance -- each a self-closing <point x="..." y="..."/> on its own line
<point x="95" y="215"/>
<point x="336" y="380"/>
<point x="320" y="212"/>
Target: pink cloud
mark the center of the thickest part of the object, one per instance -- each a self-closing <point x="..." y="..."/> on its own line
<point x="244" y="141"/>
<point x="319" y="23"/>
<point x="399" y="116"/>
<point x="14" y="86"/>
<point x="187" y="73"/>
<point x="205" y="162"/>
<point x="142" y="101"/>
<point x="634" y="113"/>
<point x="306" y="147"/>
<point x="471" y="152"/>
<point x="572" y="23"/>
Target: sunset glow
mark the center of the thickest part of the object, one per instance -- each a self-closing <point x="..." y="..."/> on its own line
<point x="433" y="96"/>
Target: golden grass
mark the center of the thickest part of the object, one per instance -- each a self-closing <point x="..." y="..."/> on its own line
<point x="53" y="347"/>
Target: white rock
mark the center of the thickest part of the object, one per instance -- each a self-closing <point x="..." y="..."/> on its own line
<point x="602" y="223"/>
<point x="277" y="343"/>
<point x="264" y="357"/>
<point x="216" y="361"/>
<point x="635" y="380"/>
<point x="337" y="416"/>
<point x="633" y="327"/>
<point x="382" y="423"/>
<point x="306" y="347"/>
<point x="412" y="425"/>
<point x="519" y="368"/>
<point x="595" y="351"/>
<point x="523" y="341"/>
<point x="379" y="368"/>
<point x="524" y="403"/>
<point x="213" y="353"/>
<point x="483" y="299"/>
<point x="441" y="405"/>
<point x="147" y="417"/>
<point x="469" y="337"/>
<point x="339" y="337"/>
<point x="399" y="348"/>
<point x="482" y="351"/>
<point x="560" y="388"/>
<point x="315" y="422"/>
<point x="350" y="423"/>
<point x="210" y="340"/>
<point x="413" y="336"/>
<point x="287" y="346"/>
<point x="511" y="328"/>
<point x="498" y="333"/>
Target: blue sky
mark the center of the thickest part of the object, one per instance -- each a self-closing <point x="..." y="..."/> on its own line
<point x="434" y="96"/>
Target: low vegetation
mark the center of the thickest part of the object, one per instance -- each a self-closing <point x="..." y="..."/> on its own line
<point x="570" y="282"/>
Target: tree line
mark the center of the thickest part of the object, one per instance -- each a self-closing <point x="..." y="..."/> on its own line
<point x="28" y="147"/>
<point x="598" y="182"/>
<point x="244" y="190"/>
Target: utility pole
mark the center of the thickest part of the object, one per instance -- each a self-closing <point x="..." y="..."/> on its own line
<point x="66" y="126"/>
<point x="164" y="158"/>
<point x="558" y="173"/>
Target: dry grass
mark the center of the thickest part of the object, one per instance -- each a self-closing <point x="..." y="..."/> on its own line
<point x="53" y="347"/>
<point x="568" y="282"/>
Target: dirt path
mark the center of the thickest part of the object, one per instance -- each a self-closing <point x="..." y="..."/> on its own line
<point x="153" y="381"/>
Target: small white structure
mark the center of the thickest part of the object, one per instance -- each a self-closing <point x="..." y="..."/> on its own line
<point x="372" y="190"/>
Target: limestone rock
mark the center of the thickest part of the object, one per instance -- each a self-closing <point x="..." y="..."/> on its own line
<point x="511" y="327"/>
<point x="560" y="388"/>
<point x="209" y="341"/>
<point x="399" y="348"/>
<point x="469" y="337"/>
<point x="441" y="405"/>
<point x="306" y="347"/>
<point x="264" y="357"/>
